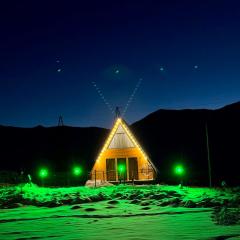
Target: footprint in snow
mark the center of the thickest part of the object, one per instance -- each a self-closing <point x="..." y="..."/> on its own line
<point x="90" y="209"/>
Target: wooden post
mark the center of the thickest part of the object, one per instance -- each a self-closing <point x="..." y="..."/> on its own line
<point x="127" y="167"/>
<point x="68" y="180"/>
<point x="95" y="179"/>
<point x="208" y="156"/>
<point x="116" y="170"/>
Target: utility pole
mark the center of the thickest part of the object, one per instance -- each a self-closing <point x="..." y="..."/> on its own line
<point x="60" y="121"/>
<point x="208" y="156"/>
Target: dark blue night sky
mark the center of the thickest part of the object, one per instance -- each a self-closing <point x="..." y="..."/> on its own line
<point x="187" y="54"/>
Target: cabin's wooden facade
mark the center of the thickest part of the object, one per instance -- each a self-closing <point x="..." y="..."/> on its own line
<point x="122" y="158"/>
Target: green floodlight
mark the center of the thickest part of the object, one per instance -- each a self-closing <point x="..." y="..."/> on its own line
<point x="43" y="173"/>
<point x="77" y="171"/>
<point x="179" y="170"/>
<point x="121" y="168"/>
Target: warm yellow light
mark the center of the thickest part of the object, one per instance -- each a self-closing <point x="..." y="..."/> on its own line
<point x="113" y="131"/>
<point x="134" y="140"/>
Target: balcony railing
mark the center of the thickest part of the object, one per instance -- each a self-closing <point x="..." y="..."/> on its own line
<point x="143" y="174"/>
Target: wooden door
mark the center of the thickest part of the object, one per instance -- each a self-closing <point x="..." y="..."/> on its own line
<point x="111" y="169"/>
<point x="133" y="168"/>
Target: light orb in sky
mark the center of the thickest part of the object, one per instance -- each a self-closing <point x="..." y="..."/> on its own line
<point x="196" y="67"/>
<point x="117" y="71"/>
<point x="161" y="69"/>
<point x="59" y="70"/>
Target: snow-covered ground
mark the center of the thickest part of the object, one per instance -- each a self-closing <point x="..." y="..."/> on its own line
<point x="122" y="212"/>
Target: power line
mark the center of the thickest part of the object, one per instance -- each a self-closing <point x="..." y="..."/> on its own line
<point x="132" y="96"/>
<point x="101" y="95"/>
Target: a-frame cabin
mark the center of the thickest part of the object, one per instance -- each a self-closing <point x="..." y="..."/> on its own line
<point x="122" y="158"/>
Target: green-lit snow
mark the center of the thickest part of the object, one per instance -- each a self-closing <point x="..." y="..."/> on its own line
<point x="122" y="212"/>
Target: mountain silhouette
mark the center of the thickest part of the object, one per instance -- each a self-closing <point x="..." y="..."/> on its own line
<point x="168" y="136"/>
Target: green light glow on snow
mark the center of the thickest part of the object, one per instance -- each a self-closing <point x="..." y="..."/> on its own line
<point x="44" y="205"/>
<point x="77" y="171"/>
<point x="43" y="173"/>
<point x="179" y="170"/>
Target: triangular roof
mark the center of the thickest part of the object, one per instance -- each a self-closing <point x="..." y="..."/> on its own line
<point x="121" y="137"/>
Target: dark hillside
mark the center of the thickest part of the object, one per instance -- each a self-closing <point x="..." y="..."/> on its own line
<point x="168" y="136"/>
<point x="180" y="136"/>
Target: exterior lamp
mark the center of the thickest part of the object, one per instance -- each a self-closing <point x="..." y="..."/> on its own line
<point x="77" y="171"/>
<point x="121" y="168"/>
<point x="179" y="171"/>
<point x="43" y="173"/>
